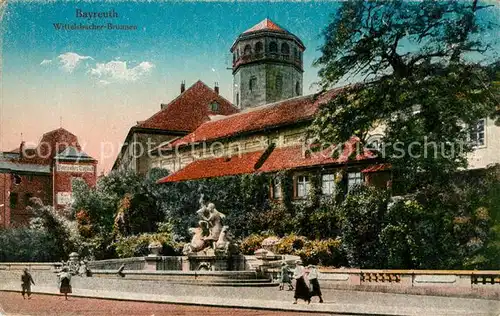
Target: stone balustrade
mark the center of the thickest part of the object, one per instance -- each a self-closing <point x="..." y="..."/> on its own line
<point x="469" y="283"/>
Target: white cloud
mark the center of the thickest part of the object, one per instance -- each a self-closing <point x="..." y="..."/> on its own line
<point x="45" y="62"/>
<point x="119" y="71"/>
<point x="69" y="61"/>
<point x="104" y="82"/>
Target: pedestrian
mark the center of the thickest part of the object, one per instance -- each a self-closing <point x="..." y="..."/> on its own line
<point x="301" y="288"/>
<point x="313" y="280"/>
<point x="285" y="277"/>
<point x="26" y="281"/>
<point x="65" y="282"/>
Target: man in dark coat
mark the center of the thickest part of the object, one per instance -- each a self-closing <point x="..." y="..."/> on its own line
<point x="26" y="280"/>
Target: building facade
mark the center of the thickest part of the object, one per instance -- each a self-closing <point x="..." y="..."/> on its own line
<point x="181" y="116"/>
<point x="269" y="134"/>
<point x="46" y="172"/>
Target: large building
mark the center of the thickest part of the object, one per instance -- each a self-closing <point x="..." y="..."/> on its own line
<point x="181" y="116"/>
<point x="268" y="134"/>
<point x="46" y="171"/>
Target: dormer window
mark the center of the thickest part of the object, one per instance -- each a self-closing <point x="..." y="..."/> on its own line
<point x="214" y="106"/>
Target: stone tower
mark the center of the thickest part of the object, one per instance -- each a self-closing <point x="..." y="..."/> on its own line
<point x="267" y="65"/>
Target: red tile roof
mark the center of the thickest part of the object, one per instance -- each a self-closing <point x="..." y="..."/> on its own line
<point x="254" y="119"/>
<point x="189" y="110"/>
<point x="279" y="159"/>
<point x="216" y="167"/>
<point x="377" y="168"/>
<point x="266" y="25"/>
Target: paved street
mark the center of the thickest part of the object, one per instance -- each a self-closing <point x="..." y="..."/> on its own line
<point x="13" y="304"/>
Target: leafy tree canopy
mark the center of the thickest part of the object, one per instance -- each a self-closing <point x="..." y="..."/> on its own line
<point x="420" y="79"/>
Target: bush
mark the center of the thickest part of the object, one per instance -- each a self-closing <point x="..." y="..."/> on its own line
<point x="325" y="252"/>
<point x="137" y="245"/>
<point x="251" y="243"/>
<point x="28" y="245"/>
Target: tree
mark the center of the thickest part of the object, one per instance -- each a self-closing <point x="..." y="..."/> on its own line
<point x="417" y="79"/>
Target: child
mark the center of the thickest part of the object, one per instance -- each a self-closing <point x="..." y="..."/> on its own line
<point x="26" y="280"/>
<point x="285" y="277"/>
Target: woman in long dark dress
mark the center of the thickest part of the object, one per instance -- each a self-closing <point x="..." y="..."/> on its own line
<point x="301" y="288"/>
<point x="313" y="280"/>
<point x="65" y="282"/>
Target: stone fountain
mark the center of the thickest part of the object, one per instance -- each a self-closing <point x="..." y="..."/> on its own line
<point x="211" y="247"/>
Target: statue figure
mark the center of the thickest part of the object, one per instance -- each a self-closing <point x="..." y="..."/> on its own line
<point x="210" y="233"/>
<point x="223" y="243"/>
<point x="215" y="222"/>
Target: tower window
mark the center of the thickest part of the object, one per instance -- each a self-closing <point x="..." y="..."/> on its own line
<point x="296" y="53"/>
<point x="285" y="49"/>
<point x="259" y="48"/>
<point x="297" y="88"/>
<point x="253" y="83"/>
<point x="247" y="50"/>
<point x="273" y="47"/>
<point x="214" y="106"/>
<point x="237" y="99"/>
<point x="279" y="83"/>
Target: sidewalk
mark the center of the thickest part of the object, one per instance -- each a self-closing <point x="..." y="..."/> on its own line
<point x="339" y="308"/>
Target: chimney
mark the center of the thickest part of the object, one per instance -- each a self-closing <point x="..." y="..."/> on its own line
<point x="216" y="88"/>
<point x="183" y="86"/>
<point x="21" y="149"/>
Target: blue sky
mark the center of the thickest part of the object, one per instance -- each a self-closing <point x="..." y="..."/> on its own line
<point x="102" y="82"/>
<point x="174" y="41"/>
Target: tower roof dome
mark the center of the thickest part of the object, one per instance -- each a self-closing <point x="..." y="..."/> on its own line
<point x="266" y="25"/>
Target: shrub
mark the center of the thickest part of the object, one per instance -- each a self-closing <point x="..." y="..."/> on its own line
<point x="325" y="252"/>
<point x="137" y="245"/>
<point x="252" y="243"/>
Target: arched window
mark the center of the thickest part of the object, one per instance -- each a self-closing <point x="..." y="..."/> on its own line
<point x="273" y="47"/>
<point x="237" y="99"/>
<point x="297" y="88"/>
<point x="285" y="49"/>
<point x="247" y="50"/>
<point x="259" y="48"/>
<point x="295" y="53"/>
<point x="253" y="83"/>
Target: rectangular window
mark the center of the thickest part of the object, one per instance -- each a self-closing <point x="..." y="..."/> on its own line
<point x="328" y="184"/>
<point x="354" y="178"/>
<point x="476" y="133"/>
<point x="276" y="189"/>
<point x="303" y="185"/>
<point x="27" y="198"/>
<point x="13" y="200"/>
